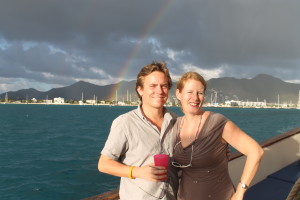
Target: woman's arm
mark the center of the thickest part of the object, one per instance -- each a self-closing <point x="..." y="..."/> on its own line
<point x="247" y="146"/>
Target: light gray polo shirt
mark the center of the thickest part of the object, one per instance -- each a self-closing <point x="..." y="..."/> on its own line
<point x="133" y="140"/>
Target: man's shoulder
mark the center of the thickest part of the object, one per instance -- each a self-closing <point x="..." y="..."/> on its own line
<point x="171" y="113"/>
<point x="127" y="115"/>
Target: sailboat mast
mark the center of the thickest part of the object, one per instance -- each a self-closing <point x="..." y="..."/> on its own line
<point x="6" y="97"/>
<point x="299" y="100"/>
<point x="116" y="96"/>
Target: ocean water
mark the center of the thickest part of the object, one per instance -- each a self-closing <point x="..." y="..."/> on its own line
<point x="51" y="151"/>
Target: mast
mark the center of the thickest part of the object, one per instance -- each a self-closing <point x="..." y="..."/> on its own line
<point x="117" y="96"/>
<point x="299" y="100"/>
<point x="6" y="97"/>
<point x="216" y="97"/>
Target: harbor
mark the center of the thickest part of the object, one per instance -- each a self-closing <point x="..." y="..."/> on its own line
<point x="212" y="102"/>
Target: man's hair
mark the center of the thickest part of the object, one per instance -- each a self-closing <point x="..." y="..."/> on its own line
<point x="148" y="69"/>
<point x="190" y="76"/>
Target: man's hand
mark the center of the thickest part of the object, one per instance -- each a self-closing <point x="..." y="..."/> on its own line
<point x="150" y="172"/>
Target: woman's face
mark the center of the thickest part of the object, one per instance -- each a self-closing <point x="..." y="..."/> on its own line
<point x="191" y="96"/>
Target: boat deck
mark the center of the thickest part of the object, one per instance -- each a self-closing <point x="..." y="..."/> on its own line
<point x="276" y="186"/>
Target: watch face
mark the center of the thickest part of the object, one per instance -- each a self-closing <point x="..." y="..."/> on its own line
<point x="244" y="186"/>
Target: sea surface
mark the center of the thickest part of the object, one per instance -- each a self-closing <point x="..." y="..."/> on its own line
<point x="51" y="151"/>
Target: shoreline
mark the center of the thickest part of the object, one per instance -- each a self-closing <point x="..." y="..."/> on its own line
<point x="113" y="105"/>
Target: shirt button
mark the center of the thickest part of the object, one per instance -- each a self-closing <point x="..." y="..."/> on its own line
<point x="195" y="182"/>
<point x="209" y="196"/>
<point x="208" y="171"/>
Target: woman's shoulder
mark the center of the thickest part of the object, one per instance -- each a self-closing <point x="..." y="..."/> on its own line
<point x="216" y="118"/>
<point x="216" y="115"/>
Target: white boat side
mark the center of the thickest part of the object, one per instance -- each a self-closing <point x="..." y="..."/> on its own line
<point x="277" y="155"/>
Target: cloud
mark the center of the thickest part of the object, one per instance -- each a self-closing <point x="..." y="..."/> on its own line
<point x="54" y="43"/>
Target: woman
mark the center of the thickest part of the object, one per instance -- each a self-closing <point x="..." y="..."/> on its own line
<point x="201" y="147"/>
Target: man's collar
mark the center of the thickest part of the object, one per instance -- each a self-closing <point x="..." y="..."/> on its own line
<point x="167" y="114"/>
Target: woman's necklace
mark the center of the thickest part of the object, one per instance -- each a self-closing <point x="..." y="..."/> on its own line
<point x="190" y="137"/>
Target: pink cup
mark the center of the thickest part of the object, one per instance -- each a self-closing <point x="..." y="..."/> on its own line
<point x="161" y="160"/>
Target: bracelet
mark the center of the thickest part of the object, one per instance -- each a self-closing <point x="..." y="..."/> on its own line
<point x="130" y="172"/>
<point x="244" y="186"/>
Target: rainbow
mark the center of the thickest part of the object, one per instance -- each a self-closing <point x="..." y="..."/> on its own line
<point x="135" y="50"/>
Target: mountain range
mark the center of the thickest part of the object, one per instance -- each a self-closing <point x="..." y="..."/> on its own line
<point x="263" y="87"/>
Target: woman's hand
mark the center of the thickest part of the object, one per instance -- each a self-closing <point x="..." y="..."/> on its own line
<point x="237" y="196"/>
<point x="239" y="193"/>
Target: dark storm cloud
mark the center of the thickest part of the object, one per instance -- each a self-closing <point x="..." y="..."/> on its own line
<point x="237" y="33"/>
<point x="62" y="41"/>
<point x="38" y="61"/>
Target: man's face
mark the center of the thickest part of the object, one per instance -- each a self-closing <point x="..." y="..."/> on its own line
<point x="155" y="91"/>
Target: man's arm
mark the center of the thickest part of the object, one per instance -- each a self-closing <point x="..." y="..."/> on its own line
<point x="115" y="168"/>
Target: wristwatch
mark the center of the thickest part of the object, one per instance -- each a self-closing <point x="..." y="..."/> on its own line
<point x="244" y="186"/>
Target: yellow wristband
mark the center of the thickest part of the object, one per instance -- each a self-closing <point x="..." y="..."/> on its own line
<point x="130" y="172"/>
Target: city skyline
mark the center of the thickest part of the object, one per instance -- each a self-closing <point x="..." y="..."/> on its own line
<point x="262" y="88"/>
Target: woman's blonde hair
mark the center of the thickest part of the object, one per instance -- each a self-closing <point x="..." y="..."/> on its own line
<point x="188" y="76"/>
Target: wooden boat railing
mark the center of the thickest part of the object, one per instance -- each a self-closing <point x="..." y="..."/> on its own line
<point x="237" y="160"/>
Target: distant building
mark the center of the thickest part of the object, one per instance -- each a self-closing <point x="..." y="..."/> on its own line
<point x="59" y="100"/>
<point x="33" y="100"/>
<point x="121" y="103"/>
<point x="256" y="104"/>
<point x="90" y="101"/>
<point x="232" y="103"/>
<point x="48" y="101"/>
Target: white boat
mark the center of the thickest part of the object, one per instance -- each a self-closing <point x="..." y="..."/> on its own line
<point x="278" y="177"/>
<point x="279" y="169"/>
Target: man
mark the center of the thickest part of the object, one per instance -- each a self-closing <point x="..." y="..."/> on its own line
<point x="138" y="135"/>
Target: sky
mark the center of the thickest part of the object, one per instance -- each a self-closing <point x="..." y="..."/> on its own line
<point x="46" y="44"/>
